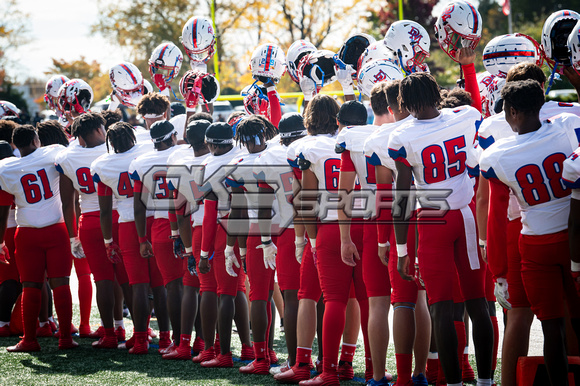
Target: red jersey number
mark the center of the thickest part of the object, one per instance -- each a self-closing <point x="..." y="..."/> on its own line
<point x="85" y="180"/>
<point x="124" y="187"/>
<point x="33" y="192"/>
<point x="436" y="160"/>
<point x="533" y="184"/>
<point x="331" y="173"/>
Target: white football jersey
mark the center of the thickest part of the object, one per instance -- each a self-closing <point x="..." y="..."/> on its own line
<point x="376" y="148"/>
<point x="34" y="182"/>
<point x="151" y="169"/>
<point x="112" y="169"/>
<point x="142" y="135"/>
<point x="437" y="150"/>
<point x="292" y="151"/>
<point x="11" y="223"/>
<point x="571" y="173"/>
<point x="178" y="123"/>
<point x="324" y="163"/>
<point x="353" y="139"/>
<point x="531" y="166"/>
<point x="75" y="163"/>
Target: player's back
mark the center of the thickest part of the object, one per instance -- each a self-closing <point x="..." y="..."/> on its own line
<point x="376" y="148"/>
<point x="353" y="139"/>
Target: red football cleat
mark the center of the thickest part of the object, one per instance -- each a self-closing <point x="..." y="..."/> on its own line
<point x="168" y="349"/>
<point x="24" y="346"/>
<point x="204" y="356"/>
<point x="467" y="370"/>
<point x="345" y="371"/>
<point x="5" y="331"/>
<point x="127" y="344"/>
<point x="98" y="333"/>
<point x="177" y="354"/>
<point x="120" y="332"/>
<point x="164" y="339"/>
<point x="199" y="345"/>
<point x="273" y="356"/>
<point x="140" y="348"/>
<point x="247" y="353"/>
<point x="67" y="344"/>
<point x="106" y="342"/>
<point x="84" y="331"/>
<point x="294" y="375"/>
<point x="151" y="333"/>
<point x="321" y="380"/>
<point x="432" y="370"/>
<point x="44" y="331"/>
<point x="257" y="366"/>
<point x="220" y="361"/>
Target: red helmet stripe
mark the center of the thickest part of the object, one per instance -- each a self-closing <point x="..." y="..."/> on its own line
<point x="194" y="32"/>
<point x="162" y="52"/>
<point x="268" y="57"/>
<point x="130" y="73"/>
<point x="514" y="53"/>
<point x="475" y="18"/>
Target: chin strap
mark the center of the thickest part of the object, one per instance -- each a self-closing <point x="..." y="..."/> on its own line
<point x="461" y="80"/>
<point x="552" y="76"/>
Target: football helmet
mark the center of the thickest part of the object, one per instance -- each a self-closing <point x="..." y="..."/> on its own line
<point x="505" y="51"/>
<point x="574" y="47"/>
<point x="198" y="39"/>
<point x="8" y="109"/>
<point x="353" y="48"/>
<point x="319" y="66"/>
<point x="127" y="82"/>
<point x="296" y="52"/>
<point x="75" y="94"/>
<point x="164" y="64"/>
<point x="375" y="51"/>
<point x="381" y="70"/>
<point x="458" y="26"/>
<point x="410" y="43"/>
<point x="51" y="91"/>
<point x="195" y="85"/>
<point x="487" y="84"/>
<point x="555" y="32"/>
<point x="256" y="100"/>
<point x="268" y="62"/>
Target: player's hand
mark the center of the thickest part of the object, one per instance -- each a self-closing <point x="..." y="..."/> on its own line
<point x="314" y="256"/>
<point x="76" y="248"/>
<point x="160" y="82"/>
<point x="418" y="278"/>
<point x="270" y="250"/>
<point x="308" y="87"/>
<point x="403" y="267"/>
<point x="4" y="255"/>
<point x="348" y="253"/>
<point x="114" y="253"/>
<point x="190" y="263"/>
<point x="198" y="66"/>
<point x="465" y="56"/>
<point x="572" y="76"/>
<point x="146" y="250"/>
<point x="231" y="260"/>
<point x="384" y="254"/>
<point x="483" y="249"/>
<point x="501" y="293"/>
<point x="204" y="265"/>
<point x="299" y="251"/>
<point x="344" y="76"/>
<point x="576" y="277"/>
<point x="178" y="247"/>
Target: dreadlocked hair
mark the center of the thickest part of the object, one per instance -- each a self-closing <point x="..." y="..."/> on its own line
<point x="86" y="123"/>
<point x="111" y="117"/>
<point x="121" y="137"/>
<point x="320" y="115"/>
<point x="271" y="130"/>
<point x="251" y="131"/>
<point x="455" y="98"/>
<point x="419" y="91"/>
<point x="23" y="136"/>
<point x="50" y="133"/>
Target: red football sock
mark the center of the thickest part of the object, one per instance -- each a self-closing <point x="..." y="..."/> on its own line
<point x="364" y="324"/>
<point x="110" y="332"/>
<point x="440" y="374"/>
<point x="261" y="350"/>
<point x="185" y="342"/>
<point x="404" y="368"/>
<point x="85" y="298"/>
<point x="347" y="352"/>
<point x="332" y="328"/>
<point x="303" y="356"/>
<point x="31" y="299"/>
<point x="461" y="339"/>
<point x="495" y="342"/>
<point x="63" y="305"/>
<point x="269" y="313"/>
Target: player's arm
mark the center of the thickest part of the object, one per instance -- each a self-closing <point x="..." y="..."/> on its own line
<point x="4" y="211"/>
<point x="497" y="222"/>
<point x="274" y="100"/>
<point x="574" y="230"/>
<point x="6" y="200"/>
<point x="238" y="228"/>
<point x="384" y="202"/>
<point x="265" y="223"/>
<point x="400" y="208"/>
<point x="309" y="183"/>
<point x="346" y="181"/>
<point x="209" y="230"/>
<point x="482" y="208"/>
<point x="466" y="57"/>
<point x="140" y="213"/>
<point x="106" y="210"/>
<point x="299" y="228"/>
<point x="573" y="78"/>
<point x="67" y="197"/>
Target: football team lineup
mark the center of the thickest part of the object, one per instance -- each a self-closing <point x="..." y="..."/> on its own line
<point x="459" y="209"/>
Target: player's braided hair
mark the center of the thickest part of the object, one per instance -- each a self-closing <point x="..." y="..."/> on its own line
<point x="50" y="133"/>
<point x="121" y="137"/>
<point x="86" y="123"/>
<point x="111" y="117"/>
<point x="526" y="96"/>
<point x="23" y="135"/>
<point x="271" y="130"/>
<point x="419" y="91"/>
<point x="6" y="129"/>
<point x="251" y="130"/>
<point x="455" y="98"/>
<point x="320" y="115"/>
<point x="526" y="70"/>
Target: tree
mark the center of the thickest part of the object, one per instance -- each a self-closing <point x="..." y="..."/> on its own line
<point x="81" y="69"/>
<point x="383" y="14"/>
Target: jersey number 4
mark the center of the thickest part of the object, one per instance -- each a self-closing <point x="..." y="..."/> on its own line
<point x="533" y="184"/>
<point x="434" y="159"/>
<point x="33" y="192"/>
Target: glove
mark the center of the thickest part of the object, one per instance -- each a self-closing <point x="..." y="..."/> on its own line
<point x="198" y="66"/>
<point x="178" y="247"/>
<point x="308" y="87"/>
<point x="270" y="251"/>
<point x="231" y="260"/>
<point x="501" y="293"/>
<point x="299" y="252"/>
<point x="190" y="263"/>
<point x="76" y="248"/>
<point x="114" y="253"/>
<point x="160" y="82"/>
<point x="344" y="77"/>
<point x="4" y="255"/>
<point x="418" y="278"/>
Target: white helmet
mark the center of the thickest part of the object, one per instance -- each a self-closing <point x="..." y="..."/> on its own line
<point x="375" y="51"/>
<point x="486" y="83"/>
<point x="353" y="48"/>
<point x="51" y="91"/>
<point x="410" y="43"/>
<point x="555" y="33"/>
<point x="75" y="94"/>
<point x="319" y="66"/>
<point x="8" y="109"/>
<point x="458" y="26"/>
<point x="296" y="51"/>
<point x="505" y="51"/>
<point x="268" y="61"/>
<point x="574" y="46"/>
<point x="127" y="82"/>
<point x="195" y="85"/>
<point x="198" y="39"/>
<point x="164" y="64"/>
<point x="256" y="100"/>
<point x="381" y="70"/>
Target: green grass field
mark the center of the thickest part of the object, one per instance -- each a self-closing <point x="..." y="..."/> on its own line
<point x="88" y="366"/>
